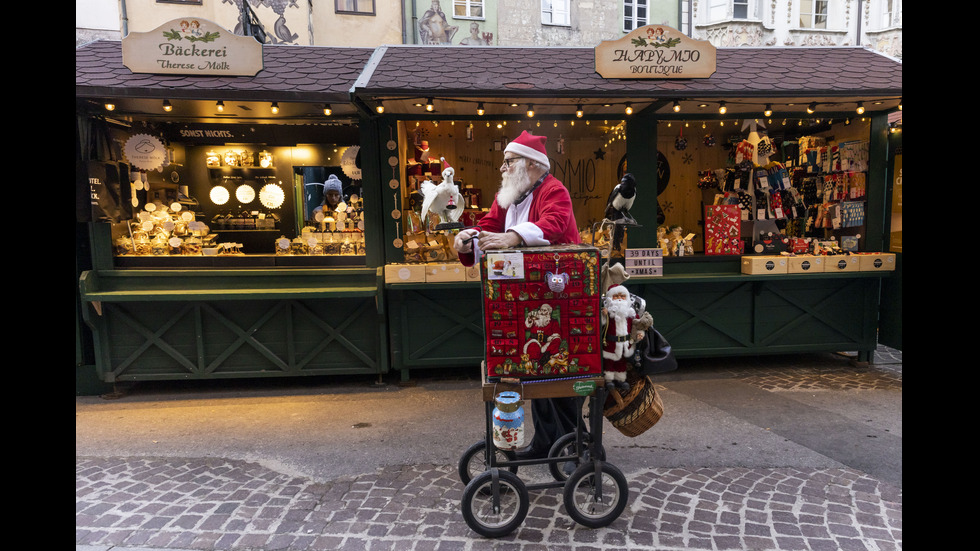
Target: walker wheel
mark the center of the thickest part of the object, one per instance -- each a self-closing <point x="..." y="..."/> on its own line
<point x="592" y="505"/>
<point x="566" y="445"/>
<point x="474" y="461"/>
<point x="495" y="503"/>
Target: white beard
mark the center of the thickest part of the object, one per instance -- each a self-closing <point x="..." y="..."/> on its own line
<point x="620" y="310"/>
<point x="513" y="184"/>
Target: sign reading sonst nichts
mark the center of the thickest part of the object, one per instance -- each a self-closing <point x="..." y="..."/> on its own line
<point x="655" y="51"/>
<point x="192" y="46"/>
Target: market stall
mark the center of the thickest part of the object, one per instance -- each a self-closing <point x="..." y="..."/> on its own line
<point x="217" y="253"/>
<point x="229" y="221"/>
<point x="685" y="141"/>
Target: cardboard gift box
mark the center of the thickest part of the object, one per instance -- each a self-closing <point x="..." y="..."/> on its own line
<point x="541" y="309"/>
<point x="765" y="264"/>
<point x="805" y="264"/>
<point x="874" y="262"/>
<point x="441" y="272"/>
<point x="841" y="263"/>
<point x="404" y="273"/>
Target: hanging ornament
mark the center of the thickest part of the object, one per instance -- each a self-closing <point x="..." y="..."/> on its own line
<point x="680" y="143"/>
<point x="709" y="140"/>
<point x="556" y="281"/>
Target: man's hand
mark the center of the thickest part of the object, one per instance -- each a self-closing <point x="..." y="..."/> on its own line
<point x="463" y="242"/>
<point x="505" y="240"/>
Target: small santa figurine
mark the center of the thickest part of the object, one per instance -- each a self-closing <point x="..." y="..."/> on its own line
<point x="618" y="343"/>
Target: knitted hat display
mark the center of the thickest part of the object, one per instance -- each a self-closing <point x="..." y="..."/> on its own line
<point x="333" y="183"/>
<point x="531" y="147"/>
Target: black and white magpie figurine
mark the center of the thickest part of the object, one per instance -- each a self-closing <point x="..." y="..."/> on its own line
<point x="621" y="200"/>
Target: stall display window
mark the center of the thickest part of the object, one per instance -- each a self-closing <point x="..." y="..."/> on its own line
<point x="297" y="204"/>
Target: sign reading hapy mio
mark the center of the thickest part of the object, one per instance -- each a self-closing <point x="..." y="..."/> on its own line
<point x="655" y="51"/>
<point x="192" y="46"/>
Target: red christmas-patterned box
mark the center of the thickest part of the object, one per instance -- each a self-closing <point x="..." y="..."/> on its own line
<point x="722" y="229"/>
<point x="541" y="308"/>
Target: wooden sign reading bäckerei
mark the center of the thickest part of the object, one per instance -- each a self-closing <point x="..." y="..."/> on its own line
<point x="655" y="51"/>
<point x="192" y="46"/>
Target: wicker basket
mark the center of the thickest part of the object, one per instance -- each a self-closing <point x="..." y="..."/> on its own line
<point x="638" y="410"/>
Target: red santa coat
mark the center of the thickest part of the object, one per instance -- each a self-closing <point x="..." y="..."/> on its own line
<point x="550" y="220"/>
<point x="616" y="346"/>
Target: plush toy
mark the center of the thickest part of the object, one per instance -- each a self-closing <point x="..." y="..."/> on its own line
<point x="618" y="344"/>
<point x="444" y="199"/>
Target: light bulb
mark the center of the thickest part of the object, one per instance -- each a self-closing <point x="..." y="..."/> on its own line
<point x="166" y="106"/>
<point x="479" y="109"/>
<point x="275" y="107"/>
<point x="428" y="105"/>
<point x="629" y="108"/>
<point x="768" y="111"/>
<point x="578" y="111"/>
<point x="677" y="107"/>
<point x="860" y="108"/>
<point x="530" y="111"/>
<point x="327" y="110"/>
<point x="722" y="108"/>
<point x="380" y="108"/>
<point x="220" y="105"/>
<point x="812" y="107"/>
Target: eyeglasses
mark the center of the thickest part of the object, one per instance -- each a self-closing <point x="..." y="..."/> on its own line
<point x="511" y="160"/>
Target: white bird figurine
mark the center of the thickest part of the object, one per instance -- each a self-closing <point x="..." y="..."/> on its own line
<point x="444" y="199"/>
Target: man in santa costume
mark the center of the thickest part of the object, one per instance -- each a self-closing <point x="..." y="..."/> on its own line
<point x="618" y="344"/>
<point x="532" y="208"/>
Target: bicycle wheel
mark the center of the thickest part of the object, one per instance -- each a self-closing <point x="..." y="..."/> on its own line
<point x="564" y="446"/>
<point x="581" y="495"/>
<point x="495" y="513"/>
<point x="474" y="461"/>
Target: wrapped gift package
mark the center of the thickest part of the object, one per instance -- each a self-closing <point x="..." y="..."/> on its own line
<point x="722" y="229"/>
<point x="541" y="309"/>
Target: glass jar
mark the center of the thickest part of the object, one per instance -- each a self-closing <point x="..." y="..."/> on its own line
<point x="159" y="245"/>
<point x="192" y="246"/>
<point x="124" y="245"/>
<point x="283" y="246"/>
<point x="299" y="247"/>
<point x="265" y="159"/>
<point x="508" y="421"/>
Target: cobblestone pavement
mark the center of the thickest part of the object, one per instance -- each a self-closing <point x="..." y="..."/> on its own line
<point x="174" y="503"/>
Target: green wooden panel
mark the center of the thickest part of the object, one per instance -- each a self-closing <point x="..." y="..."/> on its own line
<point x="815" y="312"/>
<point x="705" y="317"/>
<point x="747" y="315"/>
<point x="434" y="325"/>
<point x="222" y="339"/>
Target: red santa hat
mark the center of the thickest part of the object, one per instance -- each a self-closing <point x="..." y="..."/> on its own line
<point x="617" y="290"/>
<point x="531" y="147"/>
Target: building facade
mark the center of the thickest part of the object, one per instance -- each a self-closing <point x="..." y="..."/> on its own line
<point x="875" y="24"/>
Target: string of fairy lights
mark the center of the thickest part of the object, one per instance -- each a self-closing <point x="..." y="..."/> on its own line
<point x="790" y="112"/>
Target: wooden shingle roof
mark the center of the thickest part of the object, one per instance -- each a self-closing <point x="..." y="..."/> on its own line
<point x="522" y="73"/>
<point x="290" y="73"/>
<point x="556" y="75"/>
